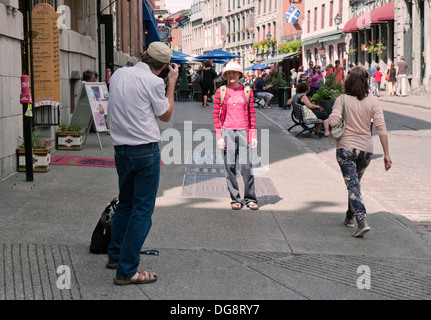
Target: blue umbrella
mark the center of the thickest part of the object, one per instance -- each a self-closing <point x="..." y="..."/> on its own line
<point x="217" y="54"/>
<point x="258" y="66"/>
<point x="179" y="57"/>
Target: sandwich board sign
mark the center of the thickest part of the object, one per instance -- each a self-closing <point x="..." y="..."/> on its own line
<point x="92" y="108"/>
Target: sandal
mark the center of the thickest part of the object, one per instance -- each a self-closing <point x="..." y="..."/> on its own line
<point x="112" y="265"/>
<point x="236" y="206"/>
<point x="143" y="278"/>
<point x="253" y="206"/>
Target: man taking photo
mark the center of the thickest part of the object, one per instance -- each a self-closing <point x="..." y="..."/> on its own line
<point x="137" y="98"/>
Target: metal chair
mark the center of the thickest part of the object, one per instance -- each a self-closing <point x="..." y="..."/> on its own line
<point x="196" y="91"/>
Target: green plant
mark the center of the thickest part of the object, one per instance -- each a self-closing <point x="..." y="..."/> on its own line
<point x="277" y="79"/>
<point x="184" y="83"/>
<point x="329" y="89"/>
<point x="36" y="142"/>
<point x="290" y="47"/>
<point x="65" y="127"/>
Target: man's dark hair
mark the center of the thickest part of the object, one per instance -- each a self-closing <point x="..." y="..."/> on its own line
<point x="152" y="63"/>
<point x="87" y="75"/>
<point x="357" y="83"/>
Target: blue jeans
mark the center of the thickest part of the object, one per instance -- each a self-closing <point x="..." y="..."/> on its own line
<point x="138" y="169"/>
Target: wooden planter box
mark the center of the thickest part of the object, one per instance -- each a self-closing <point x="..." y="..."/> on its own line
<point x="41" y="160"/>
<point x="70" y="140"/>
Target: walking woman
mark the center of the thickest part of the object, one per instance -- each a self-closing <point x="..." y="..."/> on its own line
<point x="355" y="148"/>
<point x="207" y="81"/>
<point x="235" y="125"/>
<point x="392" y="79"/>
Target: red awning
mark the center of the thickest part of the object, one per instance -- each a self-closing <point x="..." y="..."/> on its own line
<point x="383" y="13"/>
<point x="350" y="26"/>
<point x="366" y="20"/>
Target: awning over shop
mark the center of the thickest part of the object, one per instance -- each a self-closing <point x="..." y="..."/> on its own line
<point x="330" y="37"/>
<point x="281" y="57"/>
<point x="150" y="24"/>
<point x="380" y="15"/>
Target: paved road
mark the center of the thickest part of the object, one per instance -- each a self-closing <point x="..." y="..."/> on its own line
<point x="405" y="189"/>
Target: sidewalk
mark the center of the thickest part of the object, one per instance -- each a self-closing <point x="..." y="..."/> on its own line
<point x="415" y="101"/>
<point x="294" y="247"/>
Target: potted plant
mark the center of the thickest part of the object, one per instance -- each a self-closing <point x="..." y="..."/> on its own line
<point x="41" y="155"/>
<point x="183" y="87"/>
<point x="278" y="80"/>
<point x="328" y="92"/>
<point x="70" y="137"/>
<point x="379" y="47"/>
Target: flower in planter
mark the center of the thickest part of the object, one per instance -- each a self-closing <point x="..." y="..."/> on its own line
<point x="36" y="143"/>
<point x="329" y="89"/>
<point x="364" y="47"/>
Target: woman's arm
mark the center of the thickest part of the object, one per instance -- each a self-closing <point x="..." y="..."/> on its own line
<point x="385" y="145"/>
<point x="309" y="104"/>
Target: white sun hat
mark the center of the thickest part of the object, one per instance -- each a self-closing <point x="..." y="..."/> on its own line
<point x="232" y="66"/>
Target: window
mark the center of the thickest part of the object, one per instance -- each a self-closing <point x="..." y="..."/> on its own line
<point x="331" y="12"/>
<point x="308" y="21"/>
<point x="331" y="54"/>
<point x="323" y="17"/>
<point x="315" y="19"/>
<point x="341" y="10"/>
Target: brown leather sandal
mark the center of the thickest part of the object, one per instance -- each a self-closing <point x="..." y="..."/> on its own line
<point x="143" y="278"/>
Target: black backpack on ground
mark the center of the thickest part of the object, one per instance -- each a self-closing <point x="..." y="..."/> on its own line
<point x="102" y="233"/>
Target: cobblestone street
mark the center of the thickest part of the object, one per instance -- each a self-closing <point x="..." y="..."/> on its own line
<point x="405" y="188"/>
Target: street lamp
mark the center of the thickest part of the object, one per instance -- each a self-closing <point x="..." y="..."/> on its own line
<point x="337" y="20"/>
<point x="268" y="36"/>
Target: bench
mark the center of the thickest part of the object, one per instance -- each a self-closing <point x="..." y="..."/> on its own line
<point x="300" y="119"/>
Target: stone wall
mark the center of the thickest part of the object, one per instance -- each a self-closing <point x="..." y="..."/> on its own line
<point x="11" y="34"/>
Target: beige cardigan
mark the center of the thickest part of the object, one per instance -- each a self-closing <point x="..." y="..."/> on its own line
<point x="358" y="119"/>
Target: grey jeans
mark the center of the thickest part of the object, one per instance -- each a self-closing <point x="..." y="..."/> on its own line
<point x="237" y="152"/>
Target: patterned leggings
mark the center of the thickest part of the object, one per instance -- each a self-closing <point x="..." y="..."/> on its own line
<point x="353" y="163"/>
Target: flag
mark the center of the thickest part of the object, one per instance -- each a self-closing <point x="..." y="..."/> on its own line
<point x="292" y="15"/>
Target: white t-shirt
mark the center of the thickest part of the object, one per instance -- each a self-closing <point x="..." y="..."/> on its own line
<point x="136" y="98"/>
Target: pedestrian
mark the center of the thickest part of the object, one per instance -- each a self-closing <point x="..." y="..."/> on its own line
<point x="301" y="97"/>
<point x="310" y="69"/>
<point x="302" y="76"/>
<point x="138" y="97"/>
<point x="392" y="79"/>
<point x="316" y="76"/>
<point x="89" y="76"/>
<point x="293" y="76"/>
<point x="339" y="72"/>
<point x="372" y="81"/>
<point x="262" y="90"/>
<point x="377" y="76"/>
<point x="207" y="82"/>
<point x="401" y="75"/>
<point x="235" y="126"/>
<point x="355" y="149"/>
<point x="329" y="70"/>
